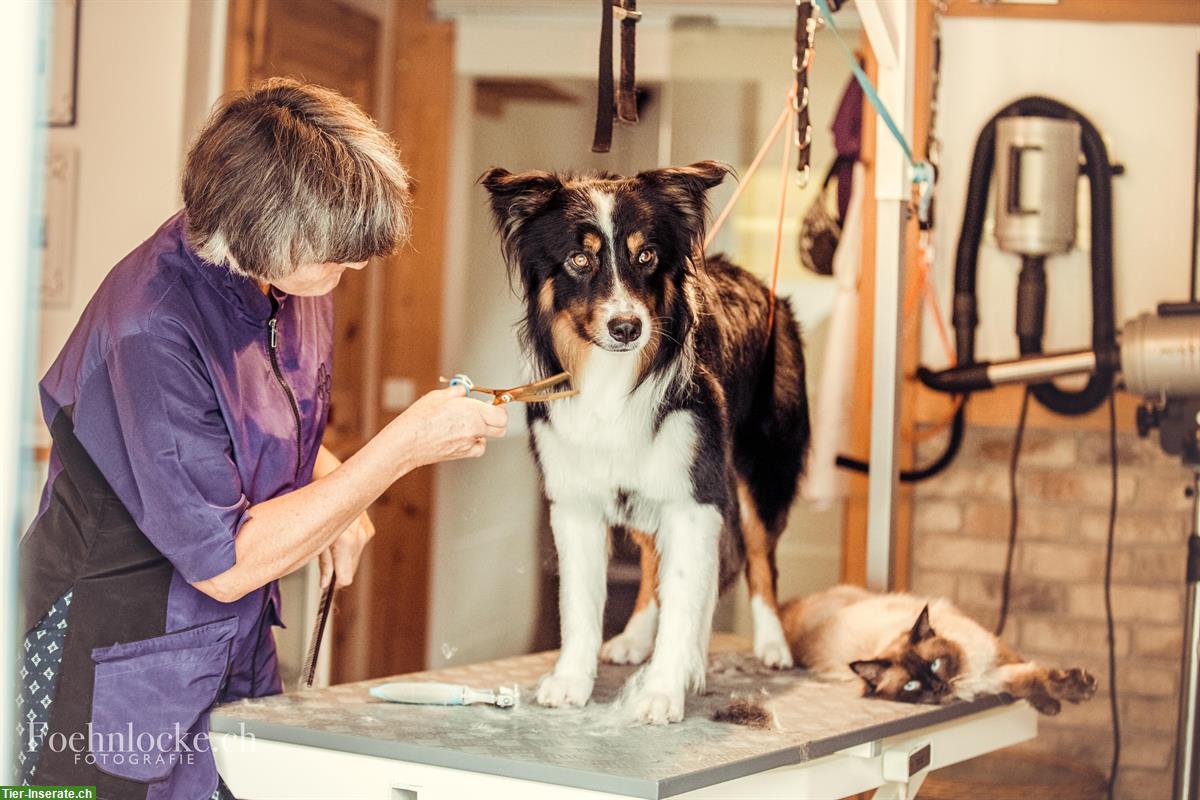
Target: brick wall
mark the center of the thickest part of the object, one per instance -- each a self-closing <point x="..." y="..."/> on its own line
<point x="1056" y="613"/>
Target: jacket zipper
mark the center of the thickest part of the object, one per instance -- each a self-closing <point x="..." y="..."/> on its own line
<point x="272" y="348"/>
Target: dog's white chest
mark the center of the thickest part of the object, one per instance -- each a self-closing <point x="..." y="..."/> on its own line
<point x="604" y="442"/>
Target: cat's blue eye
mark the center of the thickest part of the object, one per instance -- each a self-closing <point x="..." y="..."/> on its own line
<point x="936" y="665"/>
<point x="912" y="686"/>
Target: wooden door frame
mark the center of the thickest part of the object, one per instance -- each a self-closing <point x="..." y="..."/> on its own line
<point x="372" y="636"/>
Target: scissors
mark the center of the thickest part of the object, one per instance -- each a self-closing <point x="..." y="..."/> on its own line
<point x="542" y="391"/>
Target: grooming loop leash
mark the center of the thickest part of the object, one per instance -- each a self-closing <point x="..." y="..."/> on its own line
<point x="541" y="391"/>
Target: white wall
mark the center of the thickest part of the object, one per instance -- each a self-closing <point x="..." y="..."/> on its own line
<point x="1137" y="83"/>
<point x="134" y="92"/>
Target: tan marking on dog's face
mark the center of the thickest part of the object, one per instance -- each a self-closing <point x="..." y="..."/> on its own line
<point x="546" y="296"/>
<point x="592" y="242"/>
<point x="634" y="242"/>
<point x="572" y="349"/>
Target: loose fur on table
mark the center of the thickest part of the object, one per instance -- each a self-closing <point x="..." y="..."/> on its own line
<point x="689" y="430"/>
<point x="848" y="633"/>
<point x="747" y="712"/>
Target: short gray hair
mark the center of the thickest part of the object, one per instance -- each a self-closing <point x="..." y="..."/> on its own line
<point x="287" y="174"/>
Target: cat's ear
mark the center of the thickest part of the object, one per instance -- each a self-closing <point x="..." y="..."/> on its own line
<point x="921" y="629"/>
<point x="871" y="671"/>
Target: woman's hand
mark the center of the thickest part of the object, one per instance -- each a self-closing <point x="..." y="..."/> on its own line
<point x="342" y="557"/>
<point x="445" y="425"/>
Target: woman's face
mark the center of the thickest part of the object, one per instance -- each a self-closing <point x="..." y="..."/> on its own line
<point x="310" y="280"/>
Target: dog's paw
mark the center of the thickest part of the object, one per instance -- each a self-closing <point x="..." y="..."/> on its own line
<point x="626" y="648"/>
<point x="774" y="653"/>
<point x="658" y="707"/>
<point x="1072" y="685"/>
<point x="561" y="691"/>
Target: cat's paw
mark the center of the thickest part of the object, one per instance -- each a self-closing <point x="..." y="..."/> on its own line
<point x="658" y="706"/>
<point x="774" y="654"/>
<point x="1072" y="685"/>
<point x="561" y="691"/>
<point x="626" y="648"/>
<point x="1045" y="704"/>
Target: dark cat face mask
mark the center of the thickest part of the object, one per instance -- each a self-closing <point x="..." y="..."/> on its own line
<point x="919" y="667"/>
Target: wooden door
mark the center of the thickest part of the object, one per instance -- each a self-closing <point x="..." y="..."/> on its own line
<point x="336" y="46"/>
<point x="380" y="621"/>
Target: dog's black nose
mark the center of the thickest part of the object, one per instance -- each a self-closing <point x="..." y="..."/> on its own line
<point x="625" y="329"/>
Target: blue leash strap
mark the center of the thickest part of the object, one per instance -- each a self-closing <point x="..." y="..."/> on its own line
<point x="922" y="171"/>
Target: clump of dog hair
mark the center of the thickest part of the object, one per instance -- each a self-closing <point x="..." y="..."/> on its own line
<point x="745" y="711"/>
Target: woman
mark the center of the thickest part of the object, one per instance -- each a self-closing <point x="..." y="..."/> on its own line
<point x="187" y="473"/>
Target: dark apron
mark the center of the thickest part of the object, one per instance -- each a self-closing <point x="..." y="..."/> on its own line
<point x="128" y="694"/>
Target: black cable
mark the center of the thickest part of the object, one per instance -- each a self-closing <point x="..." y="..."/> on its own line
<point x="1018" y="439"/>
<point x="957" y="428"/>
<point x="1108" y="608"/>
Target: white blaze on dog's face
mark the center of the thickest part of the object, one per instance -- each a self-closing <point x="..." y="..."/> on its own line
<point x="622" y="321"/>
<point x="602" y="259"/>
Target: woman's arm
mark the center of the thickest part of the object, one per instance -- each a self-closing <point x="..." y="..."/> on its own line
<point x="326" y="463"/>
<point x="342" y="557"/>
<point x="286" y="532"/>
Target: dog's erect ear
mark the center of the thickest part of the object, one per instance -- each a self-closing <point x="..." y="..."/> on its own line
<point x="921" y="629"/>
<point x="701" y="176"/>
<point x="871" y="671"/>
<point x="516" y="197"/>
<point x="687" y="189"/>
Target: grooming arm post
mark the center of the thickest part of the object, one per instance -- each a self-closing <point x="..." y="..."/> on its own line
<point x="890" y="27"/>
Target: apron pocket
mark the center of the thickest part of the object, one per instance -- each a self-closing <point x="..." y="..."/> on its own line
<point x="149" y="693"/>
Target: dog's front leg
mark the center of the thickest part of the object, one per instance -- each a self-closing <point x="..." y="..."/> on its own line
<point x="687" y="542"/>
<point x="581" y="538"/>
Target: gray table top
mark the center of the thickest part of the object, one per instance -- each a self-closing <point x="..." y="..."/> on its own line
<point x="595" y="747"/>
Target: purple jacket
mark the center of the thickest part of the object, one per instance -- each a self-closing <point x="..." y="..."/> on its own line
<point x="183" y="397"/>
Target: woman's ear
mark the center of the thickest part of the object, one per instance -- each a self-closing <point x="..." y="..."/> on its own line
<point x="515" y="198"/>
<point x="871" y="671"/>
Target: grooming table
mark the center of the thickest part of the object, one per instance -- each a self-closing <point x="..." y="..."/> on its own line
<point x="341" y="744"/>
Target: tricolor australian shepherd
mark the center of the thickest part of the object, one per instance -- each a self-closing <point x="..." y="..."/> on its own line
<point x="689" y="430"/>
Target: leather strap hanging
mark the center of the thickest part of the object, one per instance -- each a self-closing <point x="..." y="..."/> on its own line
<point x="806" y="29"/>
<point x="627" y="90"/>
<point x="608" y="97"/>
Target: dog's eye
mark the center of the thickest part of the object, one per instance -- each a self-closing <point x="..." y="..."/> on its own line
<point x="912" y="686"/>
<point x="647" y="256"/>
<point x="936" y="666"/>
<point x="580" y="260"/>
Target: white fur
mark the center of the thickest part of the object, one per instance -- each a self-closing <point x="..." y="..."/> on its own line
<point x="603" y="202"/>
<point x="592" y="446"/>
<point x="770" y="645"/>
<point x="687" y="543"/>
<point x="633" y="645"/>
<point x="581" y="538"/>
<point x="619" y="303"/>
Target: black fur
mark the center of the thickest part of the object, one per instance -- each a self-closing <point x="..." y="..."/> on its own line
<point x="745" y="389"/>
